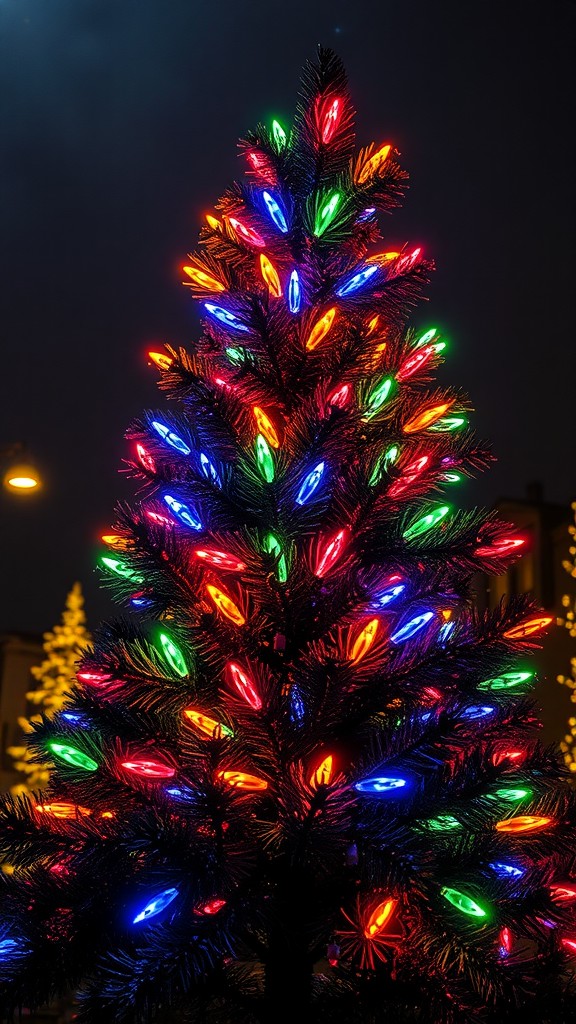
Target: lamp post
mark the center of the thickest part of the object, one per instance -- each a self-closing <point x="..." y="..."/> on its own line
<point x="20" y="475"/>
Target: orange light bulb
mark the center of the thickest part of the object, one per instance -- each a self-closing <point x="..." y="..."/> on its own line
<point x="528" y="627"/>
<point x="241" y="780"/>
<point x="203" y="281"/>
<point x="323" y="773"/>
<point x="320" y="329"/>
<point x="379" y="918"/>
<point x="226" y="605"/>
<point x="382" y="257"/>
<point x="266" y="427"/>
<point x="364" y="641"/>
<point x="374" y="164"/>
<point x="63" y="810"/>
<point x="372" y="325"/>
<point x="523" y="823"/>
<point x="161" y="360"/>
<point x="207" y="726"/>
<point x="270" y="276"/>
<point x="426" y="418"/>
<point x="213" y="222"/>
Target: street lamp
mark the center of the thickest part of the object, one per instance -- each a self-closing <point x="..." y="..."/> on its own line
<point x="20" y="475"/>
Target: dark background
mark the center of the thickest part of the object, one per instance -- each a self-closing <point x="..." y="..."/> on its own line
<point x="118" y="131"/>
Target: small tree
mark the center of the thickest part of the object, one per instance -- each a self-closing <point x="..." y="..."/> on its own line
<point x="63" y="646"/>
<point x="569" y="623"/>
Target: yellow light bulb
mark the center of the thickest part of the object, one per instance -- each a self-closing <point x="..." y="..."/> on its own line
<point x="226" y="605"/>
<point x="320" y="329"/>
<point x="270" y="276"/>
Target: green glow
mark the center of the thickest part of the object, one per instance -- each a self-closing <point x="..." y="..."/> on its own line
<point x="462" y="902"/>
<point x="507" y="681"/>
<point x="512" y="795"/>
<point x="439" y="346"/>
<point x="377" y="397"/>
<point x="382" y="464"/>
<point x="448" y="423"/>
<point x="426" y="338"/>
<point x="72" y="756"/>
<point x="264" y="459"/>
<point x="326" y="215"/>
<point x="173" y="655"/>
<point x="443" y="823"/>
<point x="452" y="478"/>
<point x="121" y="569"/>
<point x="235" y="355"/>
<point x="278" y="134"/>
<point x="426" y="522"/>
<point x="273" y="547"/>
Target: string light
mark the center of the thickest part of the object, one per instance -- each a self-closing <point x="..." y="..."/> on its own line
<point x="477" y="711"/>
<point x="426" y="523"/>
<point x="374" y="165"/>
<point x="528" y="627"/>
<point x="380" y="784"/>
<point x="63" y="810"/>
<point x="339" y="396"/>
<point x="294" y="293"/>
<point x="523" y="823"/>
<point x="323" y="774"/>
<point x="209" y="470"/>
<point x="264" y="459"/>
<point x="204" y="281"/>
<point x="170" y="438"/>
<point x="211" y="907"/>
<point x="410" y="628"/>
<point x="120" y="568"/>
<point x="393" y="589"/>
<point x="357" y="281"/>
<point x="410" y="474"/>
<point x="563" y="893"/>
<point x="244" y="685"/>
<point x="443" y="823"/>
<point x="173" y="655"/>
<point x="378" y="397"/>
<point x="321" y="329"/>
<point x="145" y="459"/>
<point x="213" y="222"/>
<point x="447" y="424"/>
<point x="148" y="769"/>
<point x="273" y="547"/>
<point x="247" y="234"/>
<point x="94" y="678"/>
<point x="512" y="795"/>
<point x="270" y="276"/>
<point x="310" y="483"/>
<point x="278" y="134"/>
<point x="225" y="605"/>
<point x="224" y="316"/>
<point x="156" y="905"/>
<point x="236" y="356"/>
<point x="415" y="362"/>
<point x="426" y="418"/>
<point x="379" y="918"/>
<point x="383" y="464"/>
<point x="329" y="552"/>
<point x="462" y="902"/>
<point x="498" y="548"/>
<point x="220" y="559"/>
<point x="507" y="681"/>
<point x="158" y="519"/>
<point x="326" y="214"/>
<point x="207" y="726"/>
<point x="241" y="780"/>
<point x="181" y="794"/>
<point x="161" y="360"/>
<point x="276" y="212"/>
<point x="266" y="427"/>
<point x="73" y="756"/>
<point x="364" y="641"/>
<point x="507" y="870"/>
<point x="505" y="941"/>
<point x="182" y="512"/>
<point x="328" y="114"/>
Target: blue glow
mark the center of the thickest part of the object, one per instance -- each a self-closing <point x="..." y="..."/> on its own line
<point x="310" y="483"/>
<point x="478" y="711"/>
<point x="141" y="602"/>
<point x="156" y="905"/>
<point x="182" y="512"/>
<point x="276" y="212"/>
<point x="181" y="794"/>
<point x="357" y="281"/>
<point x="507" y="870"/>
<point x="74" y="716"/>
<point x="170" y="438"/>
<point x="445" y="632"/>
<point x="366" y="214"/>
<point x="225" y="317"/>
<point x="411" y="627"/>
<point x="389" y="595"/>
<point x="380" y="784"/>
<point x="294" y="293"/>
<point x="297" y="709"/>
<point x="8" y="947"/>
<point x="209" y="470"/>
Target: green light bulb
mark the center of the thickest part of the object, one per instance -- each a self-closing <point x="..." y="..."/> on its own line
<point x="513" y="795"/>
<point x="448" y="423"/>
<point x="121" y="569"/>
<point x="326" y="214"/>
<point x="264" y="459"/>
<point x="377" y="397"/>
<point x="426" y="338"/>
<point x="507" y="681"/>
<point x="427" y="522"/>
<point x="278" y="134"/>
<point x="382" y="464"/>
<point x="273" y="547"/>
<point x="72" y="756"/>
<point x="452" y="478"/>
<point x="443" y="823"/>
<point x="173" y="655"/>
<point x="462" y="902"/>
<point x="236" y="356"/>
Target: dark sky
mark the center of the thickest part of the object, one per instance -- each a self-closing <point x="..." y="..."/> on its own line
<point x="119" y="123"/>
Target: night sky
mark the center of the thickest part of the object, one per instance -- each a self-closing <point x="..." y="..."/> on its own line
<point x="119" y="122"/>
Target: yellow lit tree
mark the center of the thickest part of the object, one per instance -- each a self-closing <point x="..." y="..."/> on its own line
<point x="63" y="646"/>
<point x="569" y="622"/>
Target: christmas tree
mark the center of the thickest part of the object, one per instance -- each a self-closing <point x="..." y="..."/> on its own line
<point x="569" y="623"/>
<point x="303" y="779"/>
<point x="62" y="646"/>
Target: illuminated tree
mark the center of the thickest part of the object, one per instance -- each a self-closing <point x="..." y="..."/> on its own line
<point x="303" y="781"/>
<point x="62" y="646"/>
<point x="569" y="623"/>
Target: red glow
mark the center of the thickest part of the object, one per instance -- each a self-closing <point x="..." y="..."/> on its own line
<point x="415" y="362"/>
<point x="407" y="262"/>
<point x="246" y="233"/>
<point x="432" y="693"/>
<point x="328" y="117"/>
<point x="94" y="678"/>
<point x="528" y="627"/>
<point x="505" y="941"/>
<point x="63" y="810"/>
<point x="569" y="944"/>
<point x="426" y="418"/>
<point x="508" y="755"/>
<point x="212" y="907"/>
<point x="145" y="459"/>
<point x="379" y="918"/>
<point x="221" y="383"/>
<point x="329" y="552"/>
<point x="260" y="164"/>
<point x="411" y="473"/>
<point x="244" y="685"/>
<point x="220" y="559"/>
<point x="323" y="774"/>
<point x="500" y="547"/>
<point x="157" y="518"/>
<point x="340" y="396"/>
<point x="563" y="893"/>
<point x="149" y="769"/>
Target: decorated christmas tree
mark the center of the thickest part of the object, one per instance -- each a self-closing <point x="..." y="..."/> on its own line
<point x="63" y="646"/>
<point x="300" y="776"/>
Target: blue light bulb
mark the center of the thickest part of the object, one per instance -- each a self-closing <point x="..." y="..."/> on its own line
<point x="181" y="794"/>
<point x="75" y="717"/>
<point x="388" y="595"/>
<point x="294" y="293"/>
<point x="411" y="627"/>
<point x="182" y="512"/>
<point x="297" y="709"/>
<point x="309" y="484"/>
<point x="8" y="948"/>
<point x="225" y="317"/>
<point x="445" y="632"/>
<point x="209" y="470"/>
<point x="156" y="905"/>
<point x="276" y="212"/>
<point x="357" y="281"/>
<point x="141" y="602"/>
<point x="507" y="870"/>
<point x="366" y="214"/>
<point x="380" y="784"/>
<point x="478" y="711"/>
<point x="171" y="438"/>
